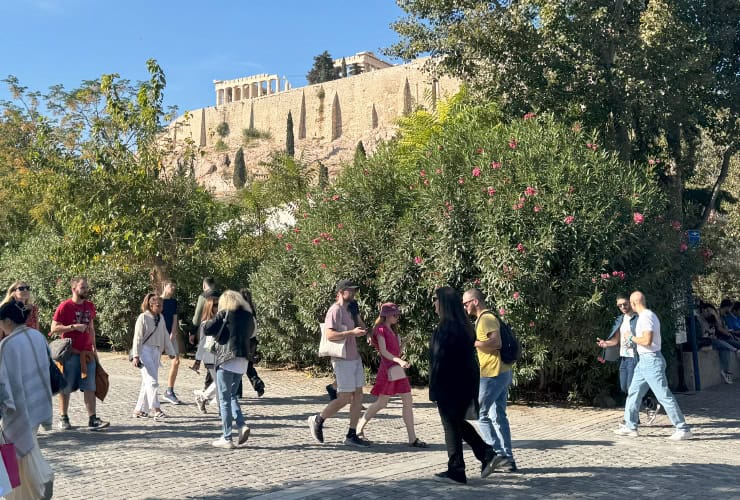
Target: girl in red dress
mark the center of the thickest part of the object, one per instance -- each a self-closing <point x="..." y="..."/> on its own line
<point x="391" y="379"/>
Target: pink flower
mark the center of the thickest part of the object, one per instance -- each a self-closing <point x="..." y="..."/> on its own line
<point x="288" y="247"/>
<point x="438" y="171"/>
<point x="604" y="276"/>
<point x="651" y="162"/>
<point x="461" y="181"/>
<point x="517" y="206"/>
<point x="476" y="281"/>
<point x="479" y="151"/>
<point x="340" y="226"/>
<point x="426" y="182"/>
<point x="495" y="165"/>
<point x="569" y="219"/>
<point x="537" y="208"/>
<point x="491" y="191"/>
<point x="707" y="253"/>
<point x="520" y="248"/>
<point x="571" y="189"/>
<point x="522" y="200"/>
<point x="305" y="215"/>
<point x="423" y="173"/>
<point x="516" y="295"/>
<point x="593" y="280"/>
<point x="296" y="229"/>
<point x="601" y="360"/>
<point x="335" y="197"/>
<point x="530" y="191"/>
<point x="513" y="143"/>
<point x="315" y="241"/>
<point x="502" y="311"/>
<point x="280" y="236"/>
<point x="638" y="218"/>
<point x="592" y="147"/>
<point x="676" y="225"/>
<point x="476" y="172"/>
<point x="531" y="324"/>
<point x="527" y="116"/>
<point x="683" y="247"/>
<point x="323" y="266"/>
<point x="418" y="260"/>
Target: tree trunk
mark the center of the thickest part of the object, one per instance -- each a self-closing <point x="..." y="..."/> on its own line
<point x="726" y="157"/>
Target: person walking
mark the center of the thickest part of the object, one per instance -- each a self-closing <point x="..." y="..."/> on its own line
<point x="169" y="314"/>
<point x="209" y="291"/>
<point x="650" y="373"/>
<point x="232" y="328"/>
<point x="150" y="337"/>
<point x="209" y="392"/>
<point x="257" y="383"/>
<point x="339" y="325"/>
<point x="495" y="379"/>
<point x="25" y="399"/>
<point x="453" y="385"/>
<point x="75" y="319"/>
<point x="20" y="291"/>
<point x="391" y="379"/>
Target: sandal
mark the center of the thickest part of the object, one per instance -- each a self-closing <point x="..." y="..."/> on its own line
<point x="160" y="415"/>
<point x="418" y="444"/>
<point x="140" y="414"/>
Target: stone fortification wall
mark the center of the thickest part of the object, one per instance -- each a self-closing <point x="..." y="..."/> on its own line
<point x="329" y="120"/>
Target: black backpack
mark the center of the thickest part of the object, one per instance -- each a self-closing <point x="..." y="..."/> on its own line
<point x="511" y="350"/>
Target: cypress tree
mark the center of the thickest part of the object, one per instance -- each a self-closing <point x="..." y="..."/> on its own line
<point x="323" y="176"/>
<point x="360" y="154"/>
<point x="240" y="169"/>
<point x="344" y="68"/>
<point x="289" y="139"/>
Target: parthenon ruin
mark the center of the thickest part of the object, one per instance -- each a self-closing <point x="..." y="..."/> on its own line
<point x="248" y="88"/>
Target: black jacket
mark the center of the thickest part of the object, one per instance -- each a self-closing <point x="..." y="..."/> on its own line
<point x="233" y="342"/>
<point x="454" y="374"/>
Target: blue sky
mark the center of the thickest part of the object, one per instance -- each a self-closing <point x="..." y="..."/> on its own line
<point x="46" y="42"/>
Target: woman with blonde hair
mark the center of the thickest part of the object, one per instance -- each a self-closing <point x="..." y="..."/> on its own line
<point x="20" y="291"/>
<point x="391" y="379"/>
<point x="150" y="336"/>
<point x="232" y="328"/>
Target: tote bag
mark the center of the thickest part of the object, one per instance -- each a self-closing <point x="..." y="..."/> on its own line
<point x="331" y="348"/>
<point x="10" y="463"/>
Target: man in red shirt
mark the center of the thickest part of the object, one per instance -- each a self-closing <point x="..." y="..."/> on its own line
<point x="74" y="319"/>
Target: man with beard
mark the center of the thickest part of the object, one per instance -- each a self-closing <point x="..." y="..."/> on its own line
<point x="74" y="319"/>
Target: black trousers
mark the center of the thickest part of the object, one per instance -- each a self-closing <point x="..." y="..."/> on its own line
<point x="457" y="430"/>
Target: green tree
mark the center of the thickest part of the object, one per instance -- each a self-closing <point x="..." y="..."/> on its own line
<point x="360" y="154"/>
<point x="355" y="69"/>
<point x="649" y="76"/>
<point x="323" y="176"/>
<point x="289" y="137"/>
<point x="240" y="169"/>
<point x="323" y="69"/>
<point x="222" y="129"/>
<point x="344" y="68"/>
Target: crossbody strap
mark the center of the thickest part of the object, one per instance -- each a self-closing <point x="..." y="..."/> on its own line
<point x="46" y="380"/>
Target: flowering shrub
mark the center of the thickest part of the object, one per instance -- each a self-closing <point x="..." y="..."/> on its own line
<point x="531" y="212"/>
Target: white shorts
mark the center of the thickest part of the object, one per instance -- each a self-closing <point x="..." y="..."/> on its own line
<point x="350" y="374"/>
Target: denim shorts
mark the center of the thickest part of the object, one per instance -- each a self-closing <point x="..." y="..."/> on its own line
<point x="74" y="376"/>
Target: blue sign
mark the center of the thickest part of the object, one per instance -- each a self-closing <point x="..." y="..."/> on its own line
<point x="694" y="237"/>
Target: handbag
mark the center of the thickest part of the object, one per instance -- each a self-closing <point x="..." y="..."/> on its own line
<point x="60" y="349"/>
<point x="396" y="372"/>
<point x="331" y="348"/>
<point x="10" y="463"/>
<point x="56" y="378"/>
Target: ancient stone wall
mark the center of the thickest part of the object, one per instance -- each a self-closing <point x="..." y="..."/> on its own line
<point x="329" y="118"/>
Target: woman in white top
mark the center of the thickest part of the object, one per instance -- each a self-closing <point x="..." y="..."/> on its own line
<point x="150" y="336"/>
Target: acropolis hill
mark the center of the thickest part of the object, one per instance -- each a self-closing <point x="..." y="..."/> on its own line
<point x="329" y="118"/>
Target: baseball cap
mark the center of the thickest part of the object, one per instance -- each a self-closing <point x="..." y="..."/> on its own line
<point x="345" y="285"/>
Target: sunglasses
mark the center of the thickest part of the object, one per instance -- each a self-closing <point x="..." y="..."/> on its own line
<point x="23" y="288"/>
<point x="623" y="304"/>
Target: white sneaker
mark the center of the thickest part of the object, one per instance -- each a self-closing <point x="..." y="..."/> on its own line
<point x="681" y="435"/>
<point x="223" y="443"/>
<point x="626" y="431"/>
<point x="244" y="431"/>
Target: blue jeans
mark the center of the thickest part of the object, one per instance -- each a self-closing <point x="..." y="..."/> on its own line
<point x="724" y="348"/>
<point x="492" y="419"/>
<point x="626" y="371"/>
<point x="227" y="384"/>
<point x="650" y="373"/>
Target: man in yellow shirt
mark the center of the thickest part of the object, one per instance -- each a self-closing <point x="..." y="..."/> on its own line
<point x="495" y="379"/>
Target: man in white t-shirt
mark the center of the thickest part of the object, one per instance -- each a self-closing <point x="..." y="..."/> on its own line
<point x="650" y="373"/>
<point x="341" y="325"/>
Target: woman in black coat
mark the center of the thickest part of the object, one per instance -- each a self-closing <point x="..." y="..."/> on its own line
<point x="453" y="384"/>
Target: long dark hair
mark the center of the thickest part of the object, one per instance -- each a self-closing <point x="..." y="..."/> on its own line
<point x="247" y="294"/>
<point x="451" y="311"/>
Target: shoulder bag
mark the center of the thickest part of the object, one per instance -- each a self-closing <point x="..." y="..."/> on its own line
<point x="331" y="348"/>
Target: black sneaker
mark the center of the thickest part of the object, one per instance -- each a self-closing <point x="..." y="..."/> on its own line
<point x="317" y="431"/>
<point x="96" y="424"/>
<point x="444" y="477"/>
<point x="493" y="460"/>
<point x="356" y="441"/>
<point x="332" y="392"/>
<point x="512" y="466"/>
<point x="64" y="424"/>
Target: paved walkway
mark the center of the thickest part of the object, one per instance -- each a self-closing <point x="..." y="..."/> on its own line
<point x="561" y="452"/>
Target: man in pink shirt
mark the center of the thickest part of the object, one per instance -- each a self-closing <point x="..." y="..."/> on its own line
<point x="74" y="319"/>
<point x="340" y="324"/>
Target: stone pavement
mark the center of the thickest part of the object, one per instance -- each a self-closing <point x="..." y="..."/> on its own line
<point x="562" y="452"/>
